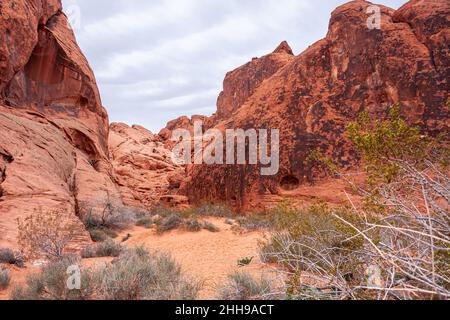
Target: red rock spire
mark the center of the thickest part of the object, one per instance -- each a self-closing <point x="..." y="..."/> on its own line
<point x="284" y="48"/>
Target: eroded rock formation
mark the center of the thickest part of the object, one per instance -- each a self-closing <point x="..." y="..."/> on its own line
<point x="54" y="129"/>
<point x="58" y="151"/>
<point x="143" y="167"/>
<point x="313" y="96"/>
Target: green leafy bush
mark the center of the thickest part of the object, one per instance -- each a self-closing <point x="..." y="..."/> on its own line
<point x="385" y="143"/>
<point x="395" y="246"/>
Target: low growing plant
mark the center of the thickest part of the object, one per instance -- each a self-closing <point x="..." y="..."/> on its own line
<point x="51" y="283"/>
<point x="5" y="278"/>
<point x="242" y="286"/>
<point x="47" y="233"/>
<point x="9" y="256"/>
<point x="108" y="248"/>
<point x="138" y="275"/>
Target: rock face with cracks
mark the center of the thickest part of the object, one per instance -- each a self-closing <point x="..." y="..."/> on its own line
<point x="312" y="97"/>
<point x="54" y="129"/>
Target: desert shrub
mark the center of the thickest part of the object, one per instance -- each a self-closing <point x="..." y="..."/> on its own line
<point x="254" y="222"/>
<point x="51" y="283"/>
<point x="89" y="252"/>
<point x="146" y="222"/>
<point x="113" y="234"/>
<point x="138" y="275"/>
<point x="102" y="226"/>
<point x="409" y="188"/>
<point x="108" y="216"/>
<point x="213" y="210"/>
<point x="242" y="286"/>
<point x="210" y="227"/>
<point x="108" y="248"/>
<point x="11" y="257"/>
<point x="7" y="256"/>
<point x="98" y="235"/>
<point x="395" y="245"/>
<point x="386" y="144"/>
<point x="122" y="219"/>
<point x="168" y="223"/>
<point x="162" y="212"/>
<point x="193" y="225"/>
<point x="5" y="278"/>
<point x="134" y="275"/>
<point x="47" y="233"/>
<point x="314" y="243"/>
<point x="245" y="261"/>
<point x="92" y="222"/>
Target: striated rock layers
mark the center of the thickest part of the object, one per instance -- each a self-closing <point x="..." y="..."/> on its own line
<point x="312" y="97"/>
<point x="53" y="128"/>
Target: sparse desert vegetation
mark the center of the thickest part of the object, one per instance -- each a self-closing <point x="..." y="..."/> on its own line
<point x="106" y="219"/>
<point x="134" y="275"/>
<point x="47" y="233"/>
<point x="243" y="286"/>
<point x="394" y="245"/>
<point x="51" y="283"/>
<point x="107" y="248"/>
<point x="5" y="278"/>
<point x="168" y="219"/>
<point x="138" y="275"/>
<point x="9" y="256"/>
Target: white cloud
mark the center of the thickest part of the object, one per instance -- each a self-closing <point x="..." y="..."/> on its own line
<point x="160" y="59"/>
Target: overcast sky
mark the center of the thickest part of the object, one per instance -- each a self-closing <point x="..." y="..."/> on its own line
<point x="156" y="60"/>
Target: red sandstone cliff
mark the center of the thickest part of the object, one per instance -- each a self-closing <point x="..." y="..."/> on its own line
<point x="54" y="129"/>
<point x="56" y="149"/>
<point x="312" y="97"/>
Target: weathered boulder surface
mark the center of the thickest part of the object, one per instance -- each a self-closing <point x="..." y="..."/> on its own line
<point x="312" y="97"/>
<point x="54" y="129"/>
